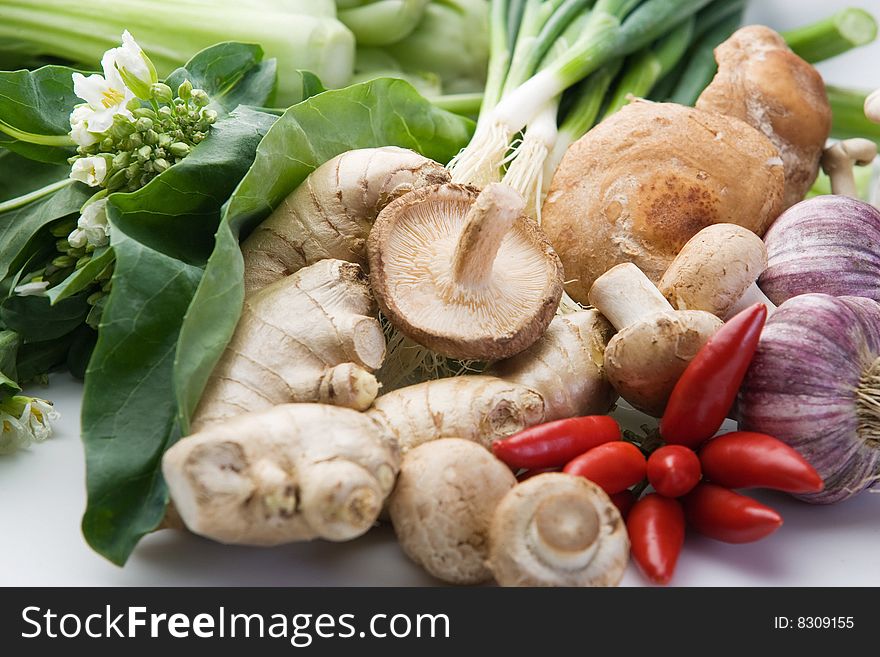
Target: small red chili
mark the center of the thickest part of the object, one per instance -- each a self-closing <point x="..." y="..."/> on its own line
<point x="724" y="515"/>
<point x="613" y="466"/>
<point x="656" y="531"/>
<point x="705" y="392"/>
<point x="673" y="470"/>
<point x="556" y="443"/>
<point x="624" y="501"/>
<point x="755" y="460"/>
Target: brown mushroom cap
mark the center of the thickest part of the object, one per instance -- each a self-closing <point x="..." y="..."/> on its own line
<point x="645" y="361"/>
<point x="557" y="530"/>
<point x="464" y="273"/>
<point x="761" y="81"/>
<point x="639" y="185"/>
<point x="442" y="506"/>
<point x="714" y="269"/>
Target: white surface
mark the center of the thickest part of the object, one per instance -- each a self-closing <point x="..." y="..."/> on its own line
<point x="42" y="494"/>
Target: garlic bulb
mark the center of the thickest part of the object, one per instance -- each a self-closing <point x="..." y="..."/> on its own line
<point x="828" y="244"/>
<point x="815" y="384"/>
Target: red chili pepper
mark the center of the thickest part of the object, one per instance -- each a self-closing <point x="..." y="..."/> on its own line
<point x="705" y="392"/>
<point x="673" y="470"/>
<point x="624" y="501"/>
<point x="656" y="532"/>
<point x="556" y="443"/>
<point x="755" y="460"/>
<point x="613" y="466"/>
<point x="727" y="516"/>
<point x="534" y="472"/>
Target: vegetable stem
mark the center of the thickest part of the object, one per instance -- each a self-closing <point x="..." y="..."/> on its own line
<point x="849" y="120"/>
<point x="847" y="29"/>
<point x="36" y="195"/>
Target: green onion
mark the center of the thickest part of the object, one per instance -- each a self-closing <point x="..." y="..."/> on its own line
<point x="848" y="115"/>
<point x="845" y="30"/>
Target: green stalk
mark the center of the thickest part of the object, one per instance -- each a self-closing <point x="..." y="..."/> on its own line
<point x="644" y="69"/>
<point x="464" y="104"/>
<point x="383" y="22"/>
<point x="848" y="115"/>
<point x="716" y="12"/>
<point x="499" y="55"/>
<point x="845" y="30"/>
<point x="33" y="138"/>
<point x="36" y="195"/>
<point x="701" y="66"/>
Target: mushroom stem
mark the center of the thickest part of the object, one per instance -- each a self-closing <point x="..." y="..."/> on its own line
<point x="750" y="297"/>
<point x="489" y="219"/>
<point x="838" y="160"/>
<point x="626" y="296"/>
<point x="565" y="531"/>
<point x="872" y="106"/>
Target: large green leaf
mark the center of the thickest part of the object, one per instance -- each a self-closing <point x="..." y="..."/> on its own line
<point x="20" y="175"/>
<point x="36" y="320"/>
<point x="35" y="111"/>
<point x="384" y="112"/>
<point x="20" y="227"/>
<point x="161" y="236"/>
<point x="232" y="73"/>
<point x="9" y="344"/>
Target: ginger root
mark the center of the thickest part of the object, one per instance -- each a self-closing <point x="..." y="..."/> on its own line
<point x="477" y="408"/>
<point x="566" y="366"/>
<point x="331" y="213"/>
<point x="291" y="473"/>
<point x="310" y="337"/>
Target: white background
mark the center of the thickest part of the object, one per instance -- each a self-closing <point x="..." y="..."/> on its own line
<point x="42" y="493"/>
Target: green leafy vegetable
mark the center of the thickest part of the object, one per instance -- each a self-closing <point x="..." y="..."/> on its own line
<point x="35" y="109"/>
<point x="161" y="235"/>
<point x="232" y="73"/>
<point x="20" y="175"/>
<point x="36" y="320"/>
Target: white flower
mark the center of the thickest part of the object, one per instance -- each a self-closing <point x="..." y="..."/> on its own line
<point x="79" y="124"/>
<point x="92" y="226"/>
<point x="90" y="170"/>
<point x="107" y="95"/>
<point x="37" y="416"/>
<point x="35" y="289"/>
<point x="14" y="435"/>
<point x="134" y="67"/>
<point x="32" y="425"/>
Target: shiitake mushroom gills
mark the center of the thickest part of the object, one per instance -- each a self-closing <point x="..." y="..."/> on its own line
<point x="464" y="273"/>
<point x="639" y="185"/>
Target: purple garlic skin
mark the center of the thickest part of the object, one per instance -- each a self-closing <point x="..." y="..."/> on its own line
<point x="828" y="244"/>
<point x="815" y="384"/>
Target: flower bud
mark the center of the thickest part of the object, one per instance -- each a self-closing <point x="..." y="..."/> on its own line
<point x="121" y="160"/>
<point x="165" y="112"/>
<point x="200" y="97"/>
<point x="165" y="140"/>
<point x="82" y="262"/>
<point x="63" y="262"/>
<point x="117" y="180"/>
<point x="161" y="92"/>
<point x="144" y="113"/>
<point x="151" y="137"/>
<point x="143" y="154"/>
<point x="160" y="165"/>
<point x="108" y="145"/>
<point x="210" y="116"/>
<point x="179" y="149"/>
<point x="94" y="297"/>
<point x="135" y="68"/>
<point x="143" y="124"/>
<point x="184" y="90"/>
<point x="133" y="170"/>
<point x="135" y="141"/>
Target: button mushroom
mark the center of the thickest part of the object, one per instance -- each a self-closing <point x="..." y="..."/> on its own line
<point x="716" y="272"/>
<point x="647" y="179"/>
<point x="654" y="342"/>
<point x="761" y="81"/>
<point x="839" y="159"/>
<point x="465" y="275"/>
<point x="557" y="530"/>
<point x="442" y="506"/>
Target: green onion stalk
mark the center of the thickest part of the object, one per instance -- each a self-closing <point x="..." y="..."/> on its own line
<point x="607" y="30"/>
